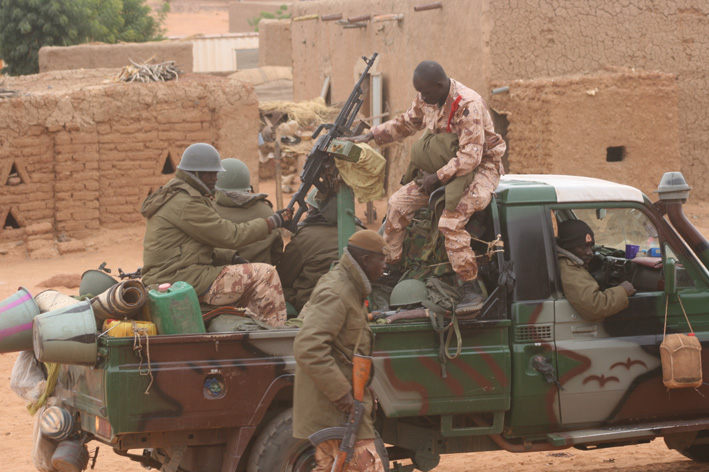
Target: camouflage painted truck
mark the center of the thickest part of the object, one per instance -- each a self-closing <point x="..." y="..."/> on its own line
<point x="532" y="375"/>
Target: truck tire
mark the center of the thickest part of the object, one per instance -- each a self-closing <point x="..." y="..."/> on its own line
<point x="275" y="448"/>
<point x="698" y="453"/>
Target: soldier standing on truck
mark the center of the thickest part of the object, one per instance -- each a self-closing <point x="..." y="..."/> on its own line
<point x="450" y="112"/>
<point x="335" y="328"/>
<point x="236" y="202"/>
<point x="183" y="229"/>
<point x="575" y="242"/>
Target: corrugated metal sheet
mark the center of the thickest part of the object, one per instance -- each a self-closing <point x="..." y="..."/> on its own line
<point x="218" y="53"/>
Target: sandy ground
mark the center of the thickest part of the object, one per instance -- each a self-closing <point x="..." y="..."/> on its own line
<point x="122" y="248"/>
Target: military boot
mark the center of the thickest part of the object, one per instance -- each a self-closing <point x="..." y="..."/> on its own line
<point x="472" y="300"/>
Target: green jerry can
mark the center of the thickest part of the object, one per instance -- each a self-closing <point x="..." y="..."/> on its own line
<point x="175" y="309"/>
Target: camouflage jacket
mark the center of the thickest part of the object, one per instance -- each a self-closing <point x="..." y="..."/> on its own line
<point x="583" y="292"/>
<point x="267" y="250"/>
<point x="333" y="321"/>
<point x="182" y="230"/>
<point x="477" y="140"/>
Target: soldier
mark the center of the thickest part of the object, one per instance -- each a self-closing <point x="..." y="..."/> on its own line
<point x="237" y="203"/>
<point x="309" y="255"/>
<point x="335" y="328"/>
<point x="460" y="130"/>
<point x="183" y="228"/>
<point x="574" y="248"/>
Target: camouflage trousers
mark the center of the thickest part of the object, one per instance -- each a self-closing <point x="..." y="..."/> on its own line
<point x="254" y="286"/>
<point x="409" y="198"/>
<point x="364" y="458"/>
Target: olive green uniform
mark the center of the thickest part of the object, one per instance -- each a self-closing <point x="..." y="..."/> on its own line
<point x="583" y="292"/>
<point x="247" y="207"/>
<point x="306" y="258"/>
<point x="333" y="320"/>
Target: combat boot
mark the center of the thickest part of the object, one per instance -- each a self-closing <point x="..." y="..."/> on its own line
<point x="472" y="300"/>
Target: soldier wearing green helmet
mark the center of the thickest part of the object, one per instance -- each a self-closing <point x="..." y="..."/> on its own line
<point x="183" y="229"/>
<point x="237" y="203"/>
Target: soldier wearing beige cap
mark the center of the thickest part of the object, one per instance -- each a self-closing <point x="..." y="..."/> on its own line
<point x="334" y="328"/>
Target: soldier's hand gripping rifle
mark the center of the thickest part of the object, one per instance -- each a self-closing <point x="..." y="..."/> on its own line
<point x="361" y="368"/>
<point x="319" y="156"/>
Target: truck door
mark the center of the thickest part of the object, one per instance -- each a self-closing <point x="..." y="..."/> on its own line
<point x="609" y="370"/>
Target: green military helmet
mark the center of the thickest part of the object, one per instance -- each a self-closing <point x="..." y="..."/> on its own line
<point x="408" y="292"/>
<point x="201" y="157"/>
<point x="235" y="176"/>
<point x="310" y="199"/>
<point x="95" y="282"/>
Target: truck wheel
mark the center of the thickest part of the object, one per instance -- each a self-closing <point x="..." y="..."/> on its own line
<point x="698" y="453"/>
<point x="275" y="448"/>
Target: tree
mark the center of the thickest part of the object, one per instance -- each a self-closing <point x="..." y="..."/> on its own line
<point x="27" y="25"/>
<point x="280" y="14"/>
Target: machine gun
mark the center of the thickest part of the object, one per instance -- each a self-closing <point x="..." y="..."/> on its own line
<point x="319" y="156"/>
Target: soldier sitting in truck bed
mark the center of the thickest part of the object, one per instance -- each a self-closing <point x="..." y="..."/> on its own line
<point x="183" y="229"/>
<point x="236" y="202"/>
<point x="574" y="247"/>
<point x="311" y="252"/>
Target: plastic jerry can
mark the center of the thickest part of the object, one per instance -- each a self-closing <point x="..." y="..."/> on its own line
<point x="175" y="309"/>
<point x="127" y="328"/>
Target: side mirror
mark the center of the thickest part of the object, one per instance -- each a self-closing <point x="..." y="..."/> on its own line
<point x="601" y="213"/>
<point x="670" y="270"/>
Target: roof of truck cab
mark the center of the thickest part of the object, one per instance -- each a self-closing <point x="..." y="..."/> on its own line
<point x="549" y="188"/>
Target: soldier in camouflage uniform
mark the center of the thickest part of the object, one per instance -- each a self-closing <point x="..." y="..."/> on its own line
<point x="444" y="105"/>
<point x="335" y="328"/>
<point x="183" y="229"/>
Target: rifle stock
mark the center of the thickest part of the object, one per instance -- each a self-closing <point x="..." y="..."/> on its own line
<point x="319" y="158"/>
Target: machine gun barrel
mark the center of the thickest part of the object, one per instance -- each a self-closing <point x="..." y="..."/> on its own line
<point x="319" y="157"/>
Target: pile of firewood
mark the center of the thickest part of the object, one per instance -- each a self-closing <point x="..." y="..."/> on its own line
<point x="145" y="72"/>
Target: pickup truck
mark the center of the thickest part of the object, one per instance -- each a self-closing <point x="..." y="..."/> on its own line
<point x="532" y="375"/>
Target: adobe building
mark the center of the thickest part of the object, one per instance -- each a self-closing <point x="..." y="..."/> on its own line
<point x="79" y="151"/>
<point x="606" y="89"/>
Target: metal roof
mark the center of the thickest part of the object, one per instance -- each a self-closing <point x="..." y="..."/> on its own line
<point x="536" y="188"/>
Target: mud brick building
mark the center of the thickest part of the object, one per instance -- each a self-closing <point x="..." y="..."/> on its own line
<point x="79" y="152"/>
<point x="549" y="53"/>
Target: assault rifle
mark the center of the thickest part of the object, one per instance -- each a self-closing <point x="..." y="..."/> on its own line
<point x="361" y="368"/>
<point x="319" y="156"/>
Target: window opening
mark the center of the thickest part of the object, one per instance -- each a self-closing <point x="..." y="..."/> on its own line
<point x="615" y="154"/>
<point x="10" y="221"/>
<point x="168" y="167"/>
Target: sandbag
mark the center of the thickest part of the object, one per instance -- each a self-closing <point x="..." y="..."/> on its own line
<point x="681" y="357"/>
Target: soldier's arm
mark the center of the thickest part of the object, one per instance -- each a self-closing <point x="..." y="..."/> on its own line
<point x="312" y="346"/>
<point x="401" y="126"/>
<point x="584" y="294"/>
<point x="205" y="225"/>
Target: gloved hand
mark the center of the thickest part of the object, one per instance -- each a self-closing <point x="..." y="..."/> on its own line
<point x="278" y="219"/>
<point x="430" y="182"/>
<point x="237" y="259"/>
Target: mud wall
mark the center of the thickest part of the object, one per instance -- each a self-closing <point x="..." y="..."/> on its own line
<point x="274" y="43"/>
<point x="86" y="155"/>
<point x="95" y="56"/>
<point x="487" y="43"/>
<point x="597" y="125"/>
<point x="562" y="37"/>
<point x="456" y="36"/>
